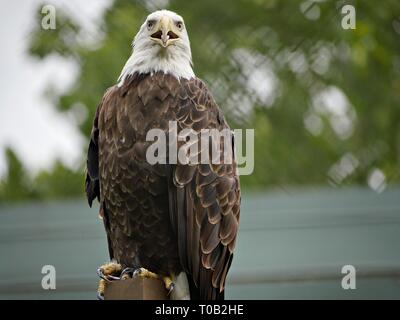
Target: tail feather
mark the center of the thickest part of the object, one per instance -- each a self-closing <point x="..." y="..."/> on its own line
<point x="210" y="294"/>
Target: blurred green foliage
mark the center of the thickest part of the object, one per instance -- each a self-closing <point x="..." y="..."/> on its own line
<point x="242" y="49"/>
<point x="15" y="185"/>
<point x="56" y="182"/>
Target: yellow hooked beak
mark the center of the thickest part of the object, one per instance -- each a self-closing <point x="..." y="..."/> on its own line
<point x="167" y="32"/>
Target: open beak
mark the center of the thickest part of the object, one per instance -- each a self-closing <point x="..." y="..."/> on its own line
<point x="166" y="33"/>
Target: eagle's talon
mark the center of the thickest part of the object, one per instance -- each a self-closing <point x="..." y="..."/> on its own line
<point x="136" y="273"/>
<point x="109" y="271"/>
<point x="100" y="296"/>
<point x="127" y="273"/>
<point x="171" y="288"/>
<point x="101" y="274"/>
<point x="169" y="285"/>
<point x="144" y="273"/>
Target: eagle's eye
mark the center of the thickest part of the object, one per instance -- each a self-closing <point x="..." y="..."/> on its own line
<point x="179" y="25"/>
<point x="150" y="24"/>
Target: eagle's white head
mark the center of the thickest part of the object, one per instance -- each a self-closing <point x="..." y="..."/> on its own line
<point x="162" y="44"/>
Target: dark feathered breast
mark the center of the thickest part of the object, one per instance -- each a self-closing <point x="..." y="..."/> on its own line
<point x="165" y="217"/>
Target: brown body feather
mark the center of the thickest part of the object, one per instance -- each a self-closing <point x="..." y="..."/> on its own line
<point x="166" y="218"/>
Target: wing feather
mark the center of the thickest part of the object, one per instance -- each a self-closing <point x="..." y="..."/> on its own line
<point x="92" y="183"/>
<point x="204" y="200"/>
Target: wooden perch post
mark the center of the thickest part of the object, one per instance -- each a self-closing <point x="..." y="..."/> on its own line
<point x="138" y="288"/>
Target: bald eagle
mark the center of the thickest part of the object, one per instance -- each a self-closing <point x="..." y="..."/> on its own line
<point x="178" y="221"/>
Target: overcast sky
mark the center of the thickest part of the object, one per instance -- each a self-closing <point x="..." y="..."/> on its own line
<point x="28" y="122"/>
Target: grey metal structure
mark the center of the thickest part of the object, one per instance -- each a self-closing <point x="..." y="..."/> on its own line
<point x="292" y="245"/>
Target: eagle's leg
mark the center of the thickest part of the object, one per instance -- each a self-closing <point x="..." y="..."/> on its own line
<point x="104" y="271"/>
